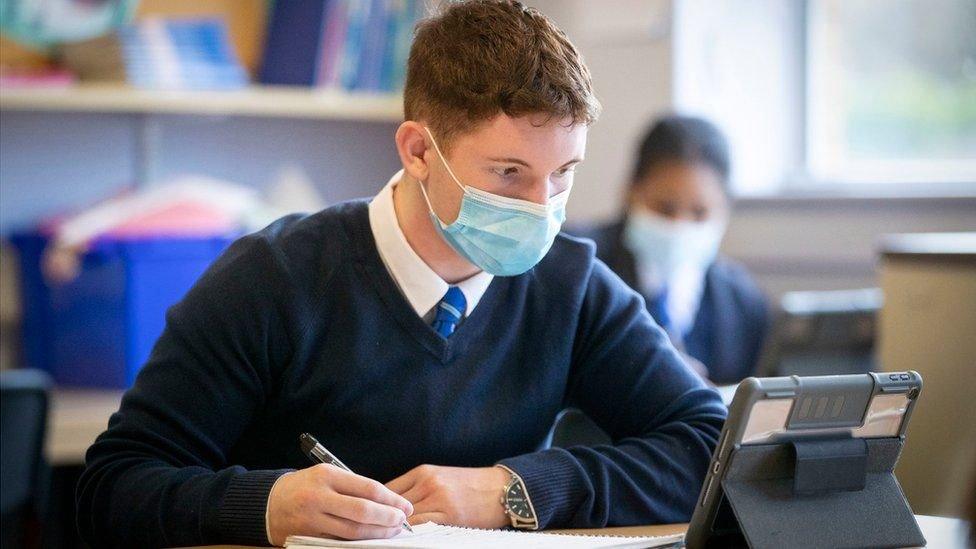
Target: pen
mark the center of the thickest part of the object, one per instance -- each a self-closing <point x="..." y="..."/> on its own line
<point x="317" y="453"/>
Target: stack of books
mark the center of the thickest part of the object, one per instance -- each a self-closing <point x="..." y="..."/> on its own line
<point x="156" y="53"/>
<point x="352" y="45"/>
<point x="180" y="54"/>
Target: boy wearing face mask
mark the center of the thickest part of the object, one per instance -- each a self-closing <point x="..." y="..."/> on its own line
<point x="428" y="337"/>
<point x="666" y="247"/>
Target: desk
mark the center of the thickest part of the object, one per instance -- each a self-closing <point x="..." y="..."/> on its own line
<point x="75" y="418"/>
<point x="941" y="533"/>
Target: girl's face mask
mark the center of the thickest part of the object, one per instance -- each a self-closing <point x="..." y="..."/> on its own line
<point x="668" y="246"/>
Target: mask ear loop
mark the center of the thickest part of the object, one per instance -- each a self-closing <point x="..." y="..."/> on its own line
<point x="430" y="207"/>
<point x="423" y="188"/>
<point x="444" y="160"/>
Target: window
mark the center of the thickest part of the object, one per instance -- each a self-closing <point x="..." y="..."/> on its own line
<point x="835" y="97"/>
<point x="891" y="91"/>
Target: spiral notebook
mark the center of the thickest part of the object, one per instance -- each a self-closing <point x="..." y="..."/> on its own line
<point x="434" y="536"/>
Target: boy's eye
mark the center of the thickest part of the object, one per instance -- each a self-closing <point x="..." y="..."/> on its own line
<point x="564" y="171"/>
<point x="507" y="172"/>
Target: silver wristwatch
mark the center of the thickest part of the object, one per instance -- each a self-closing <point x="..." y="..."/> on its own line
<point x="518" y="506"/>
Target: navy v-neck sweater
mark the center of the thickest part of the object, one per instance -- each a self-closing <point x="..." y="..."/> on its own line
<point x="300" y="328"/>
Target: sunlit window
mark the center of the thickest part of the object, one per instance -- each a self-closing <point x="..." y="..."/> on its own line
<point x="891" y="93"/>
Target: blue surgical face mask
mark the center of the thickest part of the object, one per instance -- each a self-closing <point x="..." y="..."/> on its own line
<point x="500" y="235"/>
<point x="665" y="247"/>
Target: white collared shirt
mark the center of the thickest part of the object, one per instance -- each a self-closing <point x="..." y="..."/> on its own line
<point x="422" y="287"/>
<point x="685" y="290"/>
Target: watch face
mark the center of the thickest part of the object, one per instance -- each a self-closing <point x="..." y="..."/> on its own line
<point x="515" y="497"/>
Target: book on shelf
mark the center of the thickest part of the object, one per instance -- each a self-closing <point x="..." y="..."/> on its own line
<point x="352" y="45"/>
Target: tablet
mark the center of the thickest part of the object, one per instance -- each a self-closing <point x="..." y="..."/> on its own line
<point x="784" y="410"/>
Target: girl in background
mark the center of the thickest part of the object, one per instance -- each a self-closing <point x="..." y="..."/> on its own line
<point x="665" y="246"/>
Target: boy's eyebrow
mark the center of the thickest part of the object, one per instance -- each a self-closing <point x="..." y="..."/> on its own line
<point x="526" y="164"/>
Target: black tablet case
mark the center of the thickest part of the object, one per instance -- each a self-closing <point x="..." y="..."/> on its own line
<point x="827" y="493"/>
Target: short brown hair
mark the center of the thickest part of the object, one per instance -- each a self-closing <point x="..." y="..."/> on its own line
<point x="478" y="58"/>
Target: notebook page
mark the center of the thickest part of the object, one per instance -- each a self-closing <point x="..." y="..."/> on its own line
<point x="435" y="536"/>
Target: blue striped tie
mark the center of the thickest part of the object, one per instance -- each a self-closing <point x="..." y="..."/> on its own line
<point x="449" y="312"/>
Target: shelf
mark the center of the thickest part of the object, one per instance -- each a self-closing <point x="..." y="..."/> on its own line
<point x="259" y="101"/>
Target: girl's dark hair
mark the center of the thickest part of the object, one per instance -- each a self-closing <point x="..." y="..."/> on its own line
<point x="683" y="139"/>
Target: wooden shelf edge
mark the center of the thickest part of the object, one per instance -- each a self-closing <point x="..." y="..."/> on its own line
<point x="270" y="102"/>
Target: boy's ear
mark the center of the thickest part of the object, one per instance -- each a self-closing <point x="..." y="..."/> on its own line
<point x="412" y="145"/>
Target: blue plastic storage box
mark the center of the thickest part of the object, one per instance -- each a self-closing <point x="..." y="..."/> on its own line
<point x="98" y="330"/>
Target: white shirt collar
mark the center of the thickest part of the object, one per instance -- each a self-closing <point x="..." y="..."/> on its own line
<point x="685" y="290"/>
<point x="416" y="280"/>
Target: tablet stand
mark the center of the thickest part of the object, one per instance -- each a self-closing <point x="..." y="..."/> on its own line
<point x="824" y="493"/>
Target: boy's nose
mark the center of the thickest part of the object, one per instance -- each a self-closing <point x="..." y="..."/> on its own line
<point x="541" y="191"/>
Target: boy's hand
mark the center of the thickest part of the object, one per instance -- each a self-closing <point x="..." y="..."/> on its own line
<point x="325" y="500"/>
<point x="460" y="496"/>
